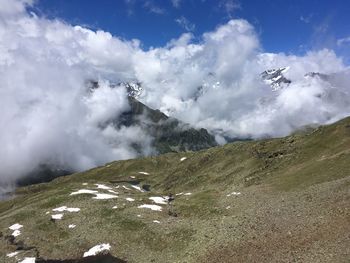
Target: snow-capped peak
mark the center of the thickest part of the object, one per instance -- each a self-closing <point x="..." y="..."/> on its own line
<point x="275" y="78"/>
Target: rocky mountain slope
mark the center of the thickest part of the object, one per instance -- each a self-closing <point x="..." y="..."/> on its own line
<point x="279" y="200"/>
<point x="167" y="134"/>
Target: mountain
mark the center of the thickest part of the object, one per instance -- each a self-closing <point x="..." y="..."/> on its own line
<point x="274" y="200"/>
<point x="275" y="78"/>
<point x="168" y="134"/>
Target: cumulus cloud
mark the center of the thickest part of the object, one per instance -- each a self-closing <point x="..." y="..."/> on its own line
<point x="49" y="116"/>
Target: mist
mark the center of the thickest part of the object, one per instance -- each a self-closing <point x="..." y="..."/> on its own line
<point x="48" y="114"/>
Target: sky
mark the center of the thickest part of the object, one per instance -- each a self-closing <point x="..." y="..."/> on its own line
<point x="289" y="26"/>
<point x="197" y="61"/>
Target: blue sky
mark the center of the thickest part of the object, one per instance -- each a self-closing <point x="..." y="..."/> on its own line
<point x="290" y="26"/>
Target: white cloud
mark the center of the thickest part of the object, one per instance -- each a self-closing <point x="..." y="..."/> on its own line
<point x="153" y="8"/>
<point x="229" y="6"/>
<point x="176" y="3"/>
<point x="343" y="41"/>
<point x="48" y="116"/>
<point x="185" y="24"/>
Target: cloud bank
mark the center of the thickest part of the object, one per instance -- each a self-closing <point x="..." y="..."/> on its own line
<point x="49" y="116"/>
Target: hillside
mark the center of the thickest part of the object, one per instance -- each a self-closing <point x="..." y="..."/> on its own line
<point x="279" y="200"/>
<point x="169" y="134"/>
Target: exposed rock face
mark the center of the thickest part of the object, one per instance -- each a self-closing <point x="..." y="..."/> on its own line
<point x="275" y="78"/>
<point x="170" y="134"/>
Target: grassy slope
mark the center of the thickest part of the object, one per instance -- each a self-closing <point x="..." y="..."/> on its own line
<point x="293" y="207"/>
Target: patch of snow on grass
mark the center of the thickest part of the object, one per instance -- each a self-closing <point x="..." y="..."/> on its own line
<point x="152" y="207"/>
<point x="188" y="194"/>
<point x="145" y="173"/>
<point x="159" y="200"/>
<point x="234" y="193"/>
<point x="72" y="226"/>
<point x="57" y="216"/>
<point x="183" y="159"/>
<point x="156" y="221"/>
<point x="138" y="215"/>
<point x="104" y="196"/>
<point x="28" y="260"/>
<point x="102" y="186"/>
<point x="126" y="188"/>
<point x="11" y="255"/>
<point x="115" y="207"/>
<point x="84" y="183"/>
<point x="16" y="229"/>
<point x="16" y="226"/>
<point x="97" y="250"/>
<point x="132" y="177"/>
<point x="137" y="188"/>
<point x="84" y="191"/>
<point x="180" y="193"/>
<point x="64" y="208"/>
<point x="16" y="233"/>
<point x="130" y="199"/>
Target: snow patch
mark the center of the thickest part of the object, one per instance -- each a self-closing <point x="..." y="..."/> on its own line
<point x="97" y="250"/>
<point x="137" y="188"/>
<point x="114" y="192"/>
<point x="16" y="226"/>
<point x="130" y="199"/>
<point x="156" y="221"/>
<point x="102" y="186"/>
<point x="145" y="173"/>
<point x="11" y="255"/>
<point x="65" y="208"/>
<point x="234" y="193"/>
<point x="187" y="193"/>
<point x="126" y="188"/>
<point x="16" y="229"/>
<point x="115" y="207"/>
<point x="84" y="191"/>
<point x="72" y="226"/>
<point x="152" y="207"/>
<point x="104" y="196"/>
<point x="159" y="200"/>
<point x="28" y="260"/>
<point x="57" y="217"/>
<point x="183" y="159"/>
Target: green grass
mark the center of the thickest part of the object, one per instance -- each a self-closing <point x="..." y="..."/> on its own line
<point x="264" y="171"/>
